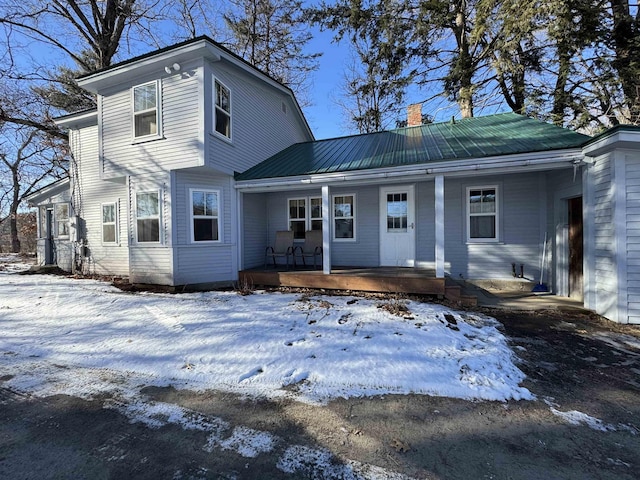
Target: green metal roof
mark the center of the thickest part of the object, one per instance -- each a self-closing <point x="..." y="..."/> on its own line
<point x="479" y="137"/>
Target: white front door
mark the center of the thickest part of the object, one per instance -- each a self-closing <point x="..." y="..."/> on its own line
<point x="397" y="226"/>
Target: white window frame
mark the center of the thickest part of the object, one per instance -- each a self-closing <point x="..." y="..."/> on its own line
<point x="114" y="223"/>
<point x="495" y="214"/>
<point x="352" y="217"/>
<point x="308" y="219"/>
<point x="192" y="217"/>
<point x="57" y="222"/>
<point x="158" y="110"/>
<point x="215" y="110"/>
<point x="159" y="217"/>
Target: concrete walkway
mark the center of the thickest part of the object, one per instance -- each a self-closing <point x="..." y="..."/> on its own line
<point x="516" y="295"/>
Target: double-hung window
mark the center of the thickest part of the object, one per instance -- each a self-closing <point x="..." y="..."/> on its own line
<point x="482" y="214"/>
<point x="222" y="109"/>
<point x="62" y="219"/>
<point x="146" y="111"/>
<point x="109" y="223"/>
<point x="344" y="216"/>
<point x="148" y="217"/>
<point x="205" y="215"/>
<point x="304" y="214"/>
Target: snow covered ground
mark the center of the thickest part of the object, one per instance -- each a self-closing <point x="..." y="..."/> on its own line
<point x="266" y="344"/>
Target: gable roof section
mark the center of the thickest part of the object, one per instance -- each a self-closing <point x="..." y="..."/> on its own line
<point x="50" y="190"/>
<point x="154" y="61"/>
<point x="479" y="137"/>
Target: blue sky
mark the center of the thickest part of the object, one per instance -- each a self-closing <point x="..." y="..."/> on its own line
<point x="325" y="117"/>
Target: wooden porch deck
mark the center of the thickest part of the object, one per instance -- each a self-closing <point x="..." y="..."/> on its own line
<point x="381" y="279"/>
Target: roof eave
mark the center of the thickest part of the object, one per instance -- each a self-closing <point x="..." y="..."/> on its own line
<point x="502" y="164"/>
<point x="78" y="119"/>
<point x="622" y="136"/>
<point x="48" y="191"/>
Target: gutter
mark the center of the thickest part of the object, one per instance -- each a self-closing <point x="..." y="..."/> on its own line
<point x="460" y="168"/>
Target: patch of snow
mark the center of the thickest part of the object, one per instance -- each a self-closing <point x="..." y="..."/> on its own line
<point x="322" y="464"/>
<point x="248" y="442"/>
<point x="574" y="417"/>
<point x="12" y="263"/>
<point x="267" y="344"/>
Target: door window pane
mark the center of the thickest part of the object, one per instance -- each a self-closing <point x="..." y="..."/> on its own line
<point x="397" y="212"/>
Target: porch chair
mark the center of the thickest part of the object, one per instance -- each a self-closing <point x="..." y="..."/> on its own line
<point x="283" y="247"/>
<point x="312" y="247"/>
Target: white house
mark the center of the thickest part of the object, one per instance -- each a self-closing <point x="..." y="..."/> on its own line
<point x="194" y="160"/>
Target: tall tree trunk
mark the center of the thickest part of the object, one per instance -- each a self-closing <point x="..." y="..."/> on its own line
<point x="626" y="43"/>
<point x="464" y="64"/>
<point x="560" y="95"/>
<point x="13" y="211"/>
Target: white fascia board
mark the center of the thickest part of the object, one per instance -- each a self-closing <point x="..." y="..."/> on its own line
<point x="48" y="191"/>
<point x="153" y="63"/>
<point x="506" y="164"/>
<point x="78" y="120"/>
<point x="617" y="139"/>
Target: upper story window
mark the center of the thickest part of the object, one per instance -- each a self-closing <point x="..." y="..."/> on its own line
<point x="148" y="216"/>
<point x="482" y="214"/>
<point x="222" y="114"/>
<point x="205" y="215"/>
<point x="146" y="110"/>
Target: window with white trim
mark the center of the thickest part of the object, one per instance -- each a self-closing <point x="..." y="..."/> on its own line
<point x="482" y="214"/>
<point x="222" y="109"/>
<point x="146" y="111"/>
<point x="205" y="215"/>
<point x="62" y="219"/>
<point x="148" y="217"/>
<point x="109" y="223"/>
<point x="305" y="213"/>
<point x="344" y="216"/>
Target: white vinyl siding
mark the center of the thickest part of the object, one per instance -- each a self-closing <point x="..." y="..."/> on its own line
<point x="181" y="126"/>
<point x="89" y="194"/>
<point x="632" y="193"/>
<point x="604" y="236"/>
<point x="522" y="212"/>
<point x="259" y="127"/>
<point x="203" y="262"/>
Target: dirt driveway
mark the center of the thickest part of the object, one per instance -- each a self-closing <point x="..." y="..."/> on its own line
<point x="584" y="424"/>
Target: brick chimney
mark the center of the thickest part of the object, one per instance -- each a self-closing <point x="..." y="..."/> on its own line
<point x="414" y="115"/>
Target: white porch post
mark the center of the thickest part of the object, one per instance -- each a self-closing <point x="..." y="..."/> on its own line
<point x="326" y="230"/>
<point x="439" y="196"/>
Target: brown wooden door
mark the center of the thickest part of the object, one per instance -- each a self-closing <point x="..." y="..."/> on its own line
<point x="576" y="248"/>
